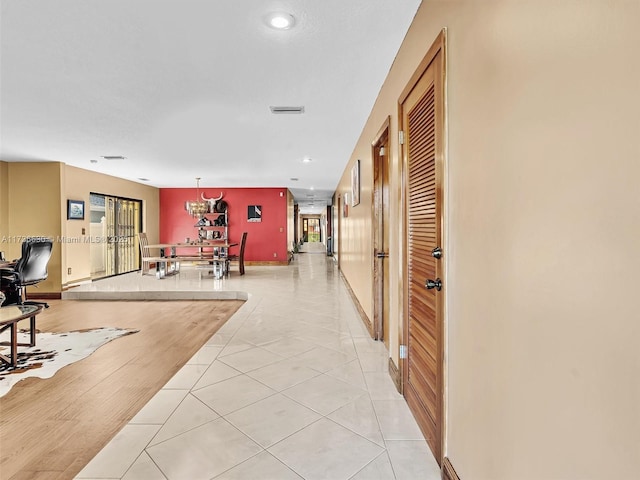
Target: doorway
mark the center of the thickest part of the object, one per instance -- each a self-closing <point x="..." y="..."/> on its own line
<point x="115" y="223"/>
<point x="381" y="281"/>
<point x="421" y="125"/>
<point x="311" y="230"/>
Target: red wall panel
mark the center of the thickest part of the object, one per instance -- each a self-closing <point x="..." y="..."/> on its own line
<point x="264" y="238"/>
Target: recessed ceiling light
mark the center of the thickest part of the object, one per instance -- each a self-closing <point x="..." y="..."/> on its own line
<point x="143" y="179"/>
<point x="280" y="20"/>
<point x="114" y="157"/>
<point x="93" y="160"/>
<point x="294" y="179"/>
<point x="306" y="160"/>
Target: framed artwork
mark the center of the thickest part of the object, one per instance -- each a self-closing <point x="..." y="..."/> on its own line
<point x="355" y="184"/>
<point x="254" y="213"/>
<point x="345" y="205"/>
<point x="75" y="210"/>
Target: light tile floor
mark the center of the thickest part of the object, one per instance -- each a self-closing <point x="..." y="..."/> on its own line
<point x="291" y="387"/>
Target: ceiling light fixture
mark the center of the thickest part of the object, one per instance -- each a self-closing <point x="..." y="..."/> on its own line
<point x="198" y="208"/>
<point x="280" y="20"/>
<point x="306" y="160"/>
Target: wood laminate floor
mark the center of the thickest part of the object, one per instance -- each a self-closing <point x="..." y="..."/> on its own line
<point x="50" y="429"/>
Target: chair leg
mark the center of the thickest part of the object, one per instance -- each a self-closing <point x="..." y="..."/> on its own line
<point x="24" y="301"/>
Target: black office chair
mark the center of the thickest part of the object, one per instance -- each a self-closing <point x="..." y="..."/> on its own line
<point x="30" y="269"/>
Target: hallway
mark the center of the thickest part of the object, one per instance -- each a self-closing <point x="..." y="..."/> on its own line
<point x="291" y="387"/>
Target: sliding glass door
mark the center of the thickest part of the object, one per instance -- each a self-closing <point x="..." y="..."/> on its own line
<point x="119" y="220"/>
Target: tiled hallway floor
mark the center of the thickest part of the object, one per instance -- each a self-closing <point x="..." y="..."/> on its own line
<point x="291" y="387"/>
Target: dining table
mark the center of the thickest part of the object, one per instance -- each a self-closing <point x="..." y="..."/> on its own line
<point x="213" y="251"/>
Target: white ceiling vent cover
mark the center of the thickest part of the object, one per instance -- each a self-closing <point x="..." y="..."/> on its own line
<point x="284" y="110"/>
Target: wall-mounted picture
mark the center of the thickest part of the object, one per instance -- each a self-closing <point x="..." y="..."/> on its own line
<point x="75" y="210"/>
<point x="254" y="213"/>
<point x="355" y="184"/>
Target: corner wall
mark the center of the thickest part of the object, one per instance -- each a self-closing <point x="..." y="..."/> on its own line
<point x="542" y="225"/>
<point x="78" y="184"/>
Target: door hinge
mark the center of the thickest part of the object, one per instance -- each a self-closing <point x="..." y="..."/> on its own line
<point x="401" y="137"/>
<point x="403" y="351"/>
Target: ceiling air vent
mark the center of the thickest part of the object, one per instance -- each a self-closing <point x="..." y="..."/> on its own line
<point x="113" y="157"/>
<point x="283" y="110"/>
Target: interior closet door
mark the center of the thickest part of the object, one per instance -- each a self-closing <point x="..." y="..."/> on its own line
<point x="422" y="113"/>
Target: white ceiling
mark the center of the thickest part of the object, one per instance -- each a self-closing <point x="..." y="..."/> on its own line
<point x="182" y="88"/>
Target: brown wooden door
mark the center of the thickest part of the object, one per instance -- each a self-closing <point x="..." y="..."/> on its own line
<point x="381" y="234"/>
<point x="422" y="123"/>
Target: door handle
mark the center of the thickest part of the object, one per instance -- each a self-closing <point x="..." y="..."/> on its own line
<point x="436" y="252"/>
<point x="382" y="255"/>
<point x="431" y="284"/>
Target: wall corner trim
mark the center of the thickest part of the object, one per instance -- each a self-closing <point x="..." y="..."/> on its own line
<point x="448" y="472"/>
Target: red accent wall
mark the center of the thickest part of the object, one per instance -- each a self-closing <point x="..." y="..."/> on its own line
<point x="264" y="238"/>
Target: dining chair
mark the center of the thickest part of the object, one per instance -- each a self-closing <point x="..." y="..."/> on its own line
<point x="240" y="257"/>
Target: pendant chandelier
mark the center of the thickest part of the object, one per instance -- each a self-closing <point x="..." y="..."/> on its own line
<point x="198" y="208"/>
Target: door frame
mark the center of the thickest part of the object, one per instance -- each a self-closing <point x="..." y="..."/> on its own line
<point x="379" y="225"/>
<point x="438" y="46"/>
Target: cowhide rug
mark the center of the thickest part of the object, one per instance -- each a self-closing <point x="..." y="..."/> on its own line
<point x="51" y="352"/>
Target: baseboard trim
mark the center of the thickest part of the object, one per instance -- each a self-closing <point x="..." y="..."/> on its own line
<point x="44" y="296"/>
<point x="395" y="375"/>
<point x="75" y="283"/>
<point x="277" y="263"/>
<point x="363" y="316"/>
<point x="448" y="472"/>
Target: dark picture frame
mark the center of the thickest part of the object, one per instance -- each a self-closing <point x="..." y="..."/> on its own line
<point x="254" y="213"/>
<point x="75" y="209"/>
<point x="355" y="184"/>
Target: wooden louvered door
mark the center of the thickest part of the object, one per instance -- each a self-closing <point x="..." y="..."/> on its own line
<point x="422" y="123"/>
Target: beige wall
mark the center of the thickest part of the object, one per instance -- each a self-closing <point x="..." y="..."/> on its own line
<point x="4" y="201"/>
<point x="34" y="209"/>
<point x="542" y="227"/>
<point x="77" y="185"/>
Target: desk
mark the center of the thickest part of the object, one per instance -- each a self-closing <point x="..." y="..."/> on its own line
<point x="9" y="318"/>
<point x="217" y="256"/>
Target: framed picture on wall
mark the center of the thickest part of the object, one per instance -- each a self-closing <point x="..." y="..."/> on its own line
<point x="75" y="210"/>
<point x="355" y="184"/>
<point x="345" y="205"/>
<point x="254" y="213"/>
